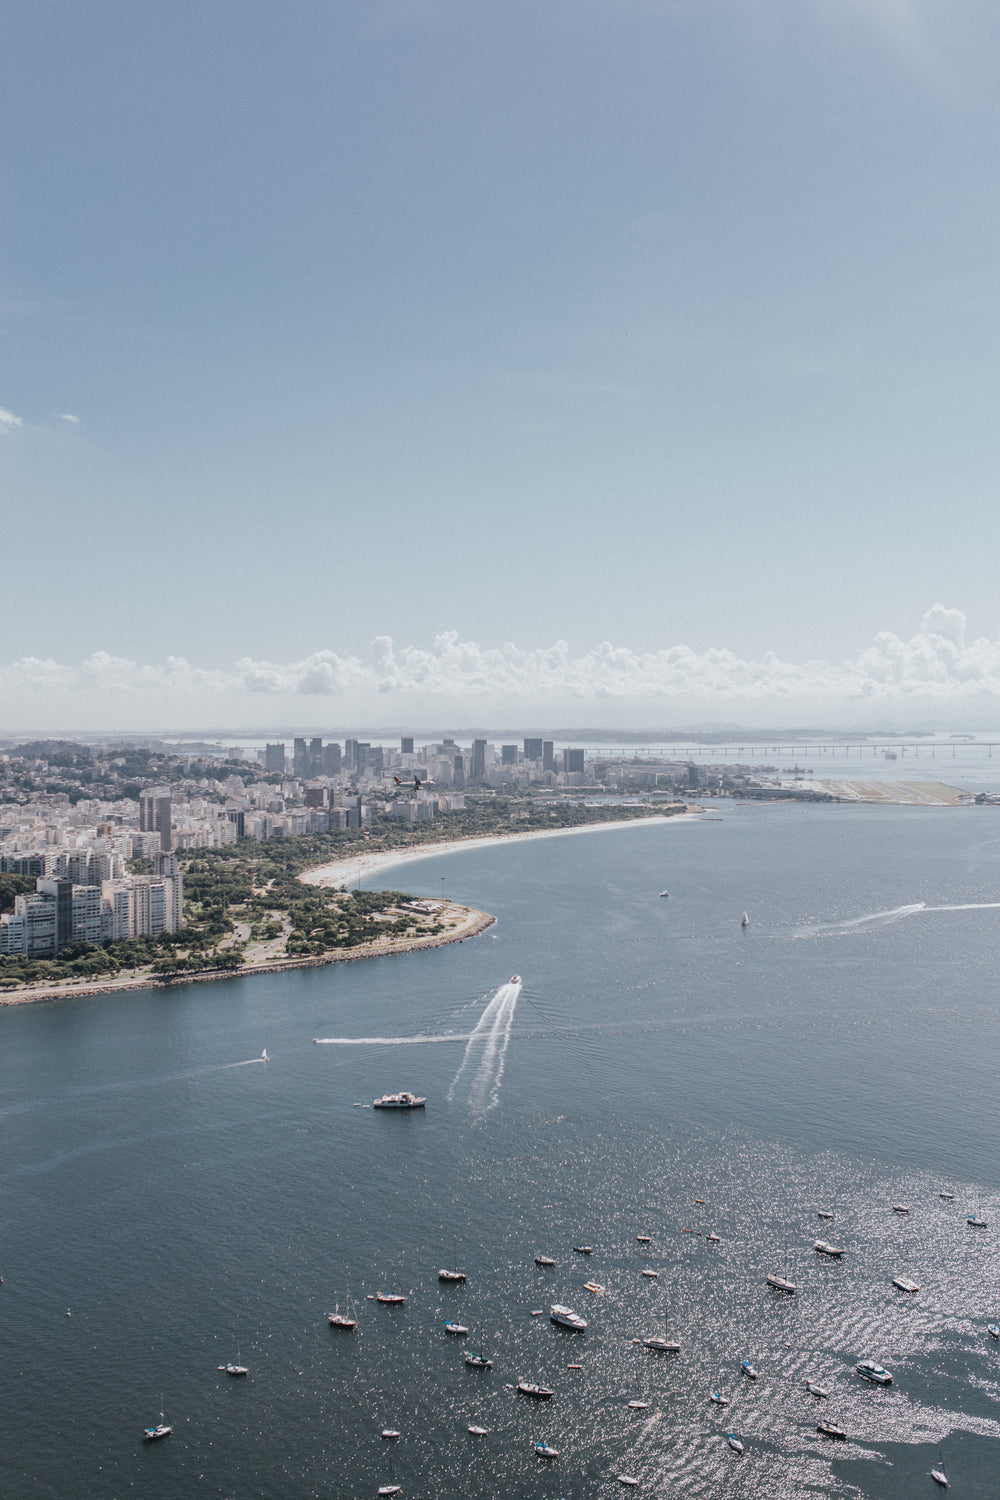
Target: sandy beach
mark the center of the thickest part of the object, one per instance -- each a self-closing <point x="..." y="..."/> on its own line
<point x="348" y="872"/>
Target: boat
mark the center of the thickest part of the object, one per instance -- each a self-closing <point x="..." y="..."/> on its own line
<point x="744" y="920"/>
<point x="530" y="1388"/>
<point x="664" y="893"/>
<point x="734" y="1442"/>
<point x="390" y="1489"/>
<point x="651" y="1274"/>
<point x="161" y="1430"/>
<point x="593" y="1286"/>
<point x="948" y="1197"/>
<point x="823" y="1247"/>
<point x="389" y="1433"/>
<point x="643" y="1239"/>
<point x="941" y="1478"/>
<point x="264" y="1057"/>
<point x="544" y="1260"/>
<point x="975" y="1222"/>
<point x="993" y="1329"/>
<point x="452" y="1273"/>
<point x="515" y="979"/>
<point x="392" y="1299"/>
<point x="869" y="1370"/>
<point x="629" y="1480"/>
<point x="816" y="1390"/>
<point x="748" y="1369"/>
<point x="781" y="1284"/>
<point x="719" y="1398"/>
<point x="458" y="1328"/>
<point x="830" y="1429"/>
<point x="900" y="1208"/>
<point x="478" y="1431"/>
<point x="713" y="1238"/>
<point x="405" y="1100"/>
<point x="567" y="1318"/>
<point x="337" y="1319"/>
<point x="235" y="1369"/>
<point x="639" y="1406"/>
<point x="664" y="1345"/>
<point x="545" y="1451"/>
<point x="905" y="1285"/>
<point x="823" y="1213"/>
<point x="478" y="1362"/>
<point x="583" y="1249"/>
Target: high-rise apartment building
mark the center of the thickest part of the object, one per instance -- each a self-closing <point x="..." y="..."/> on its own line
<point x="573" y="761"/>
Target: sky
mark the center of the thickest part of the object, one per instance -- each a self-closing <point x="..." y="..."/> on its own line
<point x="621" y="363"/>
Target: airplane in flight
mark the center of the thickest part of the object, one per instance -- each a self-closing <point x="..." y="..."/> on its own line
<point x="416" y="782"/>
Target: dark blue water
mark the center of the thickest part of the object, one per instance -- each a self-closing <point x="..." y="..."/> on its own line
<point x="165" y="1206"/>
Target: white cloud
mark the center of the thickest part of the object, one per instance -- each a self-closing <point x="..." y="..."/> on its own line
<point x="938" y="666"/>
<point x="68" y="416"/>
<point x="8" y="421"/>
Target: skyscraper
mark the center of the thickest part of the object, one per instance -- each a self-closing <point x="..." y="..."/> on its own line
<point x="274" y="758"/>
<point x="478" y="770"/>
<point x="533" y="749"/>
<point x="548" y="755"/>
<point x="331" y="759"/>
<point x="154" y="815"/>
<point x="300" y="758"/>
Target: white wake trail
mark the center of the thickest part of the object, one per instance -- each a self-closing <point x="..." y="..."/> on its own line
<point x="486" y="1049"/>
<point x="896" y="914"/>
<point x="389" y="1041"/>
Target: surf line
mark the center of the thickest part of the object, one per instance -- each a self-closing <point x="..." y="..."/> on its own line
<point x="487" y="1047"/>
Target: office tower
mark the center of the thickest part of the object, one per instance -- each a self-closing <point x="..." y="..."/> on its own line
<point x="458" y="773"/>
<point x="350" y="755"/>
<point x="508" y="755"/>
<point x="154" y="815"/>
<point x="274" y="758"/>
<point x="548" y="755"/>
<point x="300" y="758"/>
<point x="316" y="757"/>
<point x="478" y="760"/>
<point x="406" y="745"/>
<point x="61" y="893"/>
<point x="573" y="761"/>
<point x="533" y="749"/>
<point x="331" y="759"/>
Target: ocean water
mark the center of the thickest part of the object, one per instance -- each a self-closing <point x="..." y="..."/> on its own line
<point x="168" y="1201"/>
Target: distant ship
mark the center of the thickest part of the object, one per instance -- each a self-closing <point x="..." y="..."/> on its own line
<point x="405" y="1100"/>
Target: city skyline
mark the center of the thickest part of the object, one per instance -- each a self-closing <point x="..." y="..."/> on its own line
<point x="619" y="364"/>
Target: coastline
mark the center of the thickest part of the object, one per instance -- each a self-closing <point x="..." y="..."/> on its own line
<point x="343" y="871"/>
<point x="465" y="921"/>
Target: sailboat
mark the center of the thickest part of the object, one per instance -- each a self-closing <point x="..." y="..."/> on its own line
<point x="337" y="1319"/>
<point x="454" y="1274"/>
<point x="234" y="1367"/>
<point x="664" y="1345"/>
<point x="264" y="1057"/>
<point x="394" y="1299"/>
<point x="744" y="920"/>
<point x="782" y="1283"/>
<point x="161" y="1430"/>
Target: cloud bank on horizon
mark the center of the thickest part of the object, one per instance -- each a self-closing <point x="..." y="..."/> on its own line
<point x="936" y="667"/>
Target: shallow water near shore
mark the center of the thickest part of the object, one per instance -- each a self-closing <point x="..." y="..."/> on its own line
<point x="165" y="1205"/>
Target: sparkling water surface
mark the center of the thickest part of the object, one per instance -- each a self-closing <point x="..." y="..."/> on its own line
<point x="168" y="1201"/>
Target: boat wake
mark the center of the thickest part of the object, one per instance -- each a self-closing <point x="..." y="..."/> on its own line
<point x="896" y="914"/>
<point x="486" y="1049"/>
<point x="248" y="1063"/>
<point x="390" y="1041"/>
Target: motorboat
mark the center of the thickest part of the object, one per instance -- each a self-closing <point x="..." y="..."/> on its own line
<point x="390" y="1489"/>
<point x="567" y="1318"/>
<point x="905" y="1285"/>
<point x="830" y="1430"/>
<point x="404" y="1100"/>
<point x="643" y="1239"/>
<point x="544" y="1450"/>
<point x="823" y="1247"/>
<point x="993" y="1329"/>
<point x="593" y="1286"/>
<point x="458" y="1328"/>
<point x="639" y="1406"/>
<point x="478" y="1431"/>
<point x="629" y="1480"/>
<point x="816" y="1390"/>
<point x="941" y="1478"/>
<point x="734" y="1442"/>
<point x="544" y="1260"/>
<point x="651" y="1274"/>
<point x="583" y="1249"/>
<point x="781" y="1284"/>
<point x="719" y="1398"/>
<point x="748" y="1369"/>
<point x="392" y="1299"/>
<point x="824" y="1213"/>
<point x="975" y="1221"/>
<point x="478" y="1362"/>
<point x="530" y="1388"/>
<point x="948" y="1197"/>
<point x="515" y="979"/>
<point x="869" y="1370"/>
<point x="900" y="1208"/>
<point x="389" y="1433"/>
<point x="713" y="1238"/>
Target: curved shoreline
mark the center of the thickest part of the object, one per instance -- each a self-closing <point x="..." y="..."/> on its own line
<point x="338" y="873"/>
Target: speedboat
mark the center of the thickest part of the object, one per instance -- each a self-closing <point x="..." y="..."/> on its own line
<point x="405" y="1100"/>
<point x="780" y="1284"/>
<point x="639" y="1406"/>
<point x="389" y="1432"/>
<point x="869" y="1370"/>
<point x="830" y="1429"/>
<point x="719" y="1398"/>
<point x="545" y="1451"/>
<point x="643" y="1239"/>
<point x="816" y="1390"/>
<point x="529" y="1388"/>
<point x="459" y="1328"/>
<point x="651" y="1274"/>
<point x="390" y="1489"/>
<point x="478" y="1362"/>
<point x="478" y="1431"/>
<point x="946" y="1196"/>
<point x="748" y="1369"/>
<point x="993" y="1329"/>
<point x="544" y="1260"/>
<point x="905" y="1285"/>
<point x="583" y="1249"/>
<point x="593" y="1286"/>
<point x="734" y="1442"/>
<point x="567" y="1318"/>
<point x="515" y="979"/>
<point x="822" y="1247"/>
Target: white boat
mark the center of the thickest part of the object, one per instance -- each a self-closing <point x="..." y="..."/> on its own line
<point x="744" y="920"/>
<point x="664" y="893"/>
<point x="337" y="1319"/>
<point x="478" y="1431"/>
<point x="235" y="1369"/>
<point x="515" y="979"/>
<point x="478" y="1362"/>
<point x="830" y="1429"/>
<point x="453" y="1274"/>
<point x="390" y="1489"/>
<point x="869" y="1370"/>
<point x="389" y="1433"/>
<point x="567" y="1318"/>
<point x="643" y="1239"/>
<point x="734" y="1442"/>
<point x="719" y="1398"/>
<point x="544" y="1260"/>
<point x="593" y="1286"/>
<point x="404" y="1100"/>
<point x="530" y="1388"/>
<point x="905" y="1285"/>
<point x="748" y="1369"/>
<point x="900" y="1208"/>
<point x="583" y="1249"/>
<point x="664" y="1345"/>
<point x="713" y="1238"/>
<point x="651" y="1274"/>
<point x="993" y="1329"/>
<point x="639" y="1406"/>
<point x="628" y="1480"/>
<point x="823" y="1213"/>
<point x="392" y="1299"/>
<point x="941" y="1478"/>
<point x="544" y="1450"/>
<point x="161" y="1430"/>
<point x="264" y="1057"/>
<point x="458" y="1328"/>
<point x="823" y="1247"/>
<point x="948" y="1197"/>
<point x="781" y="1284"/>
<point x="816" y="1390"/>
<point x="975" y="1221"/>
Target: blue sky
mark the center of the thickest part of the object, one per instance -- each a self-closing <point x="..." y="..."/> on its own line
<point x="625" y="361"/>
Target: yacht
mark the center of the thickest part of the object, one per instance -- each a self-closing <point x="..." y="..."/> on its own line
<point x="941" y="1478"/>
<point x="390" y="1489"/>
<point x="628" y="1479"/>
<point x="823" y="1247"/>
<point x="734" y="1442"/>
<point x="823" y="1213"/>
<point x="405" y="1100"/>
<point x="869" y="1370"/>
<point x="830" y="1429"/>
<point x="975" y="1221"/>
<point x="235" y="1369"/>
<point x="744" y="920"/>
<point x="544" y="1260"/>
<point x="545" y="1451"/>
<point x="529" y="1388"/>
<point x="651" y="1274"/>
<point x="900" y="1208"/>
<point x="478" y="1431"/>
<point x="905" y="1285"/>
<point x="780" y="1284"/>
<point x="567" y="1318"/>
<point x="458" y="1328"/>
<point x="639" y="1406"/>
<point x="643" y="1239"/>
<point x="993" y="1329"/>
<point x="748" y="1369"/>
<point x="478" y="1362"/>
<point x="583" y="1249"/>
<point x="393" y="1299"/>
<point x="719" y="1398"/>
<point x="713" y="1238"/>
<point x="389" y="1433"/>
<point x="948" y="1197"/>
<point x="161" y="1430"/>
